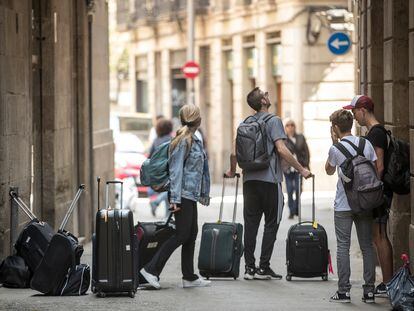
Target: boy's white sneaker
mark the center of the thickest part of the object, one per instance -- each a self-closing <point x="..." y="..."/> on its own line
<point x="196" y="283"/>
<point x="151" y="279"/>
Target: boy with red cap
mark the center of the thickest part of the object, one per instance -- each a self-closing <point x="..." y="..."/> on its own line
<point x="363" y="110"/>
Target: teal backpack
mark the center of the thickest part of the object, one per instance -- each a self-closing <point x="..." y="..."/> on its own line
<point x="154" y="171"/>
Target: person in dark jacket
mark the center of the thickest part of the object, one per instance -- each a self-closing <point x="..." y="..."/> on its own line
<point x="296" y="143"/>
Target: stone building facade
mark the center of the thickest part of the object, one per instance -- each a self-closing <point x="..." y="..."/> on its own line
<point x="53" y="83"/>
<point x="385" y="71"/>
<point x="279" y="45"/>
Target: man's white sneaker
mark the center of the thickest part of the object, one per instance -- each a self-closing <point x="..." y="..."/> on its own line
<point x="196" y="283"/>
<point x="151" y="279"/>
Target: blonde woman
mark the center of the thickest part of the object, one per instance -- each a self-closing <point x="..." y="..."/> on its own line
<point x="189" y="184"/>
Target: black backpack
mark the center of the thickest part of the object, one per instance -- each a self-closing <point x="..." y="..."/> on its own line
<point x="397" y="164"/>
<point x="251" y="144"/>
<point x="363" y="188"/>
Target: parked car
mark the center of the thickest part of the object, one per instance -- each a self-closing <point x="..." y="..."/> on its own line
<point x="129" y="156"/>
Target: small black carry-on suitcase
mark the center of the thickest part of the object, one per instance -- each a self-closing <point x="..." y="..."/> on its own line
<point x="221" y="244"/>
<point x="307" y="253"/>
<point x="35" y="237"/>
<point x="151" y="236"/>
<point x="62" y="254"/>
<point x="115" y="250"/>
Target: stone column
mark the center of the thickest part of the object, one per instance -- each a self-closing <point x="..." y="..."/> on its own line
<point x="15" y="110"/>
<point x="411" y="108"/>
<point x="239" y="93"/>
<point x="166" y="83"/>
<point x="395" y="108"/>
<point x="375" y="59"/>
<point x="152" y="83"/>
<point x="218" y="114"/>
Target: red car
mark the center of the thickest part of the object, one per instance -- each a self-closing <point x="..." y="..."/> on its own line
<point x="129" y="156"/>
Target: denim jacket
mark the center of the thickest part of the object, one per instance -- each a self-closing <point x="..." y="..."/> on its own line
<point x="189" y="173"/>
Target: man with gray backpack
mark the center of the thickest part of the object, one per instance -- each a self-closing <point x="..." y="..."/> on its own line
<point x="358" y="192"/>
<point x="259" y="146"/>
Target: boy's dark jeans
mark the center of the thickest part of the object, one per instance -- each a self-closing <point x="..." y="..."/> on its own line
<point x="260" y="198"/>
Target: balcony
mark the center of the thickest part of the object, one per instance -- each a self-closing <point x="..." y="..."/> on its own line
<point x="152" y="11"/>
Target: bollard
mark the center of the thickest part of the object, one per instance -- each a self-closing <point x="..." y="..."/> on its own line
<point x="14" y="219"/>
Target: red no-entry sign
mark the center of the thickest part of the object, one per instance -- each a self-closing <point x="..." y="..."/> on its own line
<point x="190" y="69"/>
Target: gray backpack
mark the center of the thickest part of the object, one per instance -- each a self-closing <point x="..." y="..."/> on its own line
<point x="363" y="188"/>
<point x="251" y="144"/>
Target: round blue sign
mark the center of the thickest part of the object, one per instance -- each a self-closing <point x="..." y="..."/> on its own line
<point x="339" y="43"/>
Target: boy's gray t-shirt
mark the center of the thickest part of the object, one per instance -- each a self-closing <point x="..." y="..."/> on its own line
<point x="273" y="173"/>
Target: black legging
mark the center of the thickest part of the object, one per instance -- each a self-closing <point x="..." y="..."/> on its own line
<point x="186" y="234"/>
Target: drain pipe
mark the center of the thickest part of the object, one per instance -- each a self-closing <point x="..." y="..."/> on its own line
<point x="90" y="4"/>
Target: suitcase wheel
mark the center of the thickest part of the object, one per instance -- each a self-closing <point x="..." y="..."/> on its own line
<point x="131" y="294"/>
<point x="324" y="277"/>
<point x="288" y="277"/>
<point x="235" y="278"/>
<point x="101" y="295"/>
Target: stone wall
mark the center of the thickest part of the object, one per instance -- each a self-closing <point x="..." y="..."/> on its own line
<point x="44" y="109"/>
<point x="15" y="109"/>
<point x="383" y="59"/>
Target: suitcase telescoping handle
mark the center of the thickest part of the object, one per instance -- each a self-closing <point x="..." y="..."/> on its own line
<point x="237" y="175"/>
<point x="72" y="207"/>
<point x="300" y="199"/>
<point x="22" y="205"/>
<point x="113" y="182"/>
<point x="98" y="180"/>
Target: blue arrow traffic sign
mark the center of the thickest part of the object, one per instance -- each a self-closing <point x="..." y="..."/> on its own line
<point x="339" y="43"/>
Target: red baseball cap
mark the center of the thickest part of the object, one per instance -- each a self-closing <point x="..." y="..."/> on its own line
<point x="361" y="101"/>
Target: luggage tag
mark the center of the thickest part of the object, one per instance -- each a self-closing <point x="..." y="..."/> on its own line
<point x="315" y="224"/>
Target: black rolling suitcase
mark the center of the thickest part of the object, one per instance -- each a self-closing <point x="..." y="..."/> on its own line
<point x="35" y="237"/>
<point x="151" y="236"/>
<point x="221" y="244"/>
<point x="115" y="250"/>
<point x="307" y="253"/>
<point x="62" y="254"/>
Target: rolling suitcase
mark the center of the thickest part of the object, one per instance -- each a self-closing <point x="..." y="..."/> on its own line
<point x="221" y="244"/>
<point x="35" y="237"/>
<point x="62" y="254"/>
<point x="307" y="253"/>
<point x="151" y="236"/>
<point x="115" y="250"/>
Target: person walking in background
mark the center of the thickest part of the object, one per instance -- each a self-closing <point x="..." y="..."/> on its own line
<point x="363" y="110"/>
<point x="153" y="132"/>
<point x="163" y="130"/>
<point x="296" y="143"/>
<point x="262" y="191"/>
<point x="342" y="121"/>
<point x="189" y="184"/>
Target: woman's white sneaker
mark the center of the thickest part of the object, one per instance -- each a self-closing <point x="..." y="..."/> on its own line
<point x="196" y="283"/>
<point x="151" y="279"/>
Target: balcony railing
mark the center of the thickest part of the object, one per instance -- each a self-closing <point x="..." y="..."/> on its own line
<point x="154" y="10"/>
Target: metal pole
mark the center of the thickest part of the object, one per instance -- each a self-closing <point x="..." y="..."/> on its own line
<point x="14" y="219"/>
<point x="190" y="48"/>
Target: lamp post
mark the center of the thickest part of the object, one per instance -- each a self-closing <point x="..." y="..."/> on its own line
<point x="190" y="49"/>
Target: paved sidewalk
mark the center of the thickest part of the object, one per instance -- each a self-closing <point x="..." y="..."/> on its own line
<point x="299" y="294"/>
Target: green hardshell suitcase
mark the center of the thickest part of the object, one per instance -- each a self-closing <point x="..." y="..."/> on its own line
<point x="221" y="245"/>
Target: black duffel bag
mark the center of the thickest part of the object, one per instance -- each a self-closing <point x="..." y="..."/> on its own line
<point x="76" y="282"/>
<point x="14" y="272"/>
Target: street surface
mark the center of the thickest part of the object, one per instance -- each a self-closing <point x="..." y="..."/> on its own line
<point x="224" y="294"/>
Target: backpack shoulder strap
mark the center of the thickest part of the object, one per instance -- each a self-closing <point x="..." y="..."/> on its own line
<point x="268" y="117"/>
<point x="361" y="145"/>
<point x="343" y="150"/>
<point x="247" y="119"/>
<point x="353" y="146"/>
